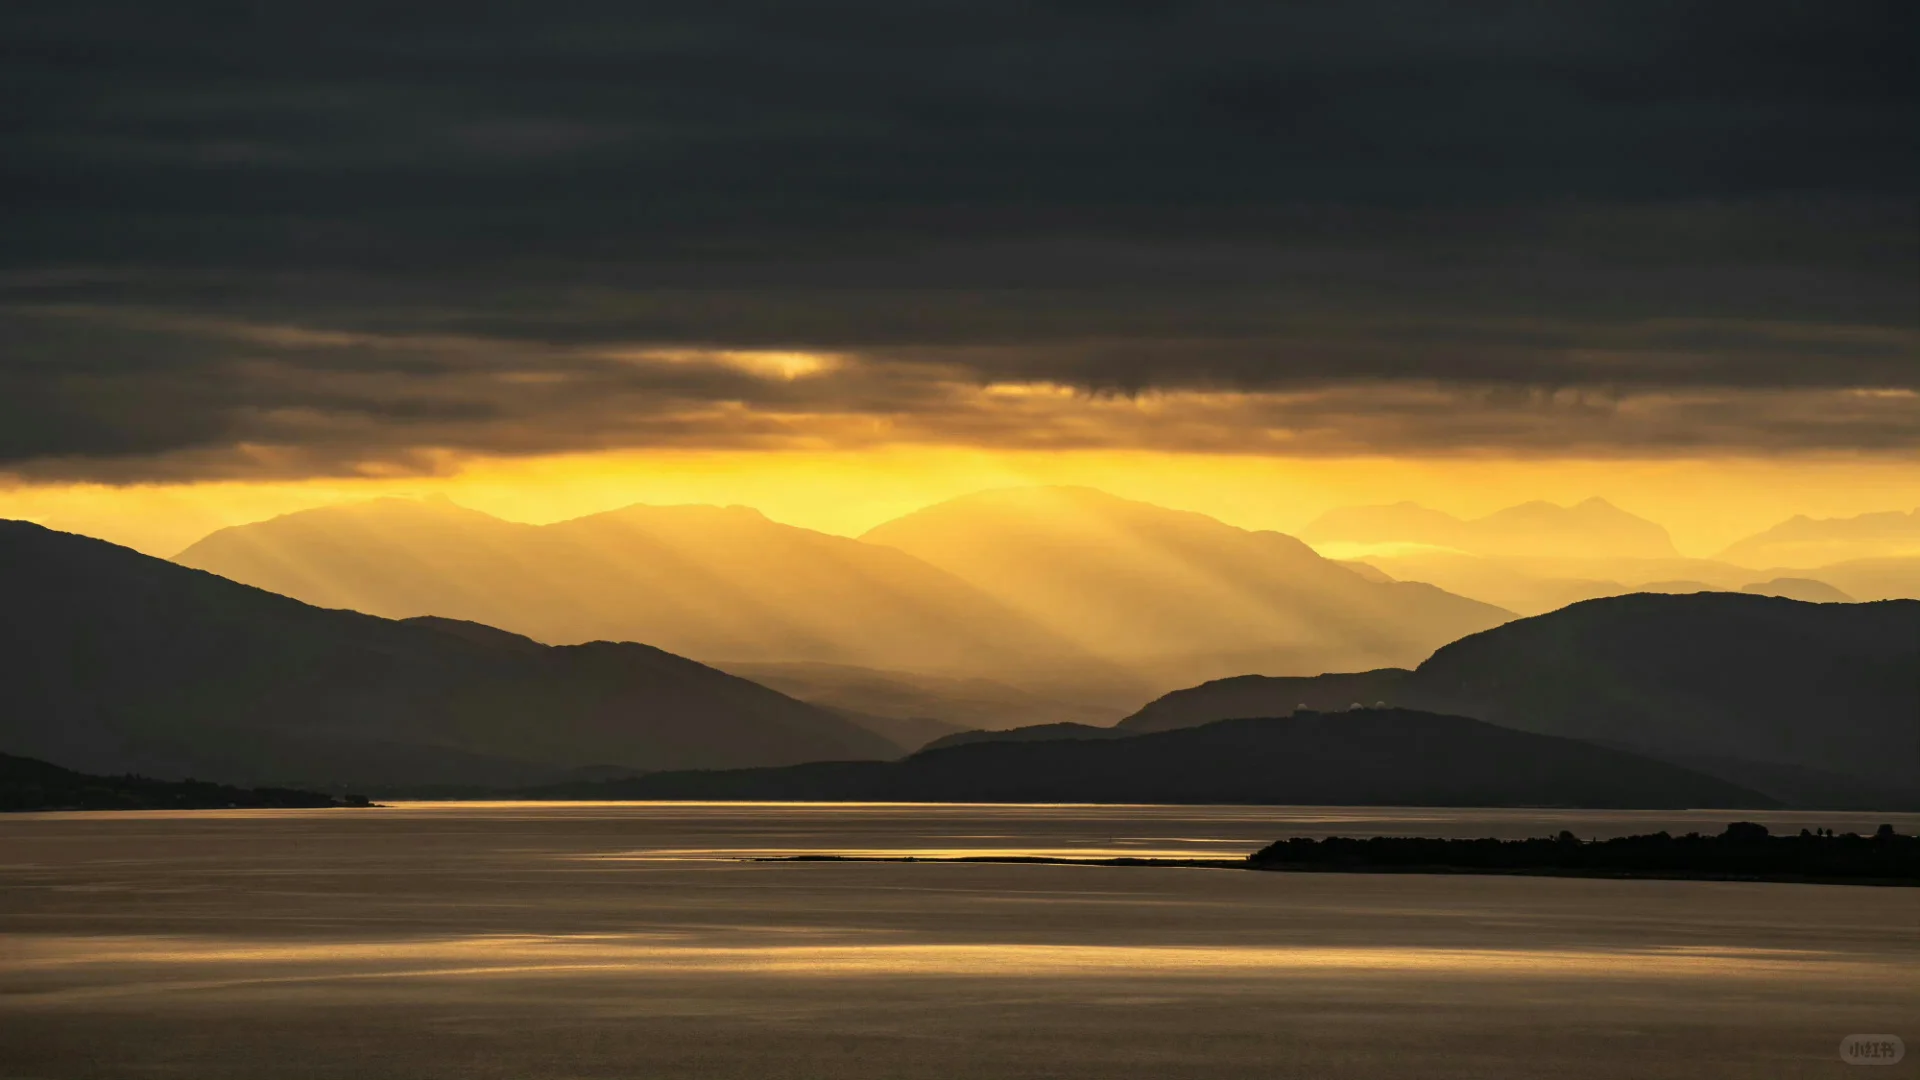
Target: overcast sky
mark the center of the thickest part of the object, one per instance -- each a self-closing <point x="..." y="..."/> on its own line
<point x="241" y="241"/>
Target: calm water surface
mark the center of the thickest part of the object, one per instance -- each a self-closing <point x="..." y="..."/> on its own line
<point x="629" y="940"/>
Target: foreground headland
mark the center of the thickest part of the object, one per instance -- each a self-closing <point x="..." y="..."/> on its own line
<point x="1745" y="851"/>
<point x="28" y="784"/>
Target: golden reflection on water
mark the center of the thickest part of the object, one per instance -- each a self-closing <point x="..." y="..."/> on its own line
<point x="517" y="954"/>
<point x="1197" y="849"/>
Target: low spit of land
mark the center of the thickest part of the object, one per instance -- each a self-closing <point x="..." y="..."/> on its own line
<point x="1745" y="851"/>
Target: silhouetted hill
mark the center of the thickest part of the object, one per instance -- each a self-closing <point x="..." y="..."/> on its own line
<point x="1803" y="786"/>
<point x="1723" y="677"/>
<point x="1261" y="695"/>
<point x="29" y="784"/>
<point x="718" y="583"/>
<point x="112" y="661"/>
<point x="1373" y="757"/>
<point x="1029" y="733"/>
<point x="1591" y="529"/>
<point x="953" y="702"/>
<point x="1176" y="593"/>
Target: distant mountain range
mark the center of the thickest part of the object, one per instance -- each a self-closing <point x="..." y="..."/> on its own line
<point x="1592" y="529"/>
<point x="1164" y="591"/>
<point x="114" y="662"/>
<point x="111" y="661"/>
<point x="1390" y="757"/>
<point x="1793" y="588"/>
<point x="1873" y="579"/>
<point x="1538" y="557"/>
<point x="1818" y="702"/>
<point x="1533" y="586"/>
<point x="1059" y="585"/>
<point x="1813" y="542"/>
<point x="719" y="583"/>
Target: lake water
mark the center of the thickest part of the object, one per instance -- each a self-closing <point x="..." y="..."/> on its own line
<point x="629" y="940"/>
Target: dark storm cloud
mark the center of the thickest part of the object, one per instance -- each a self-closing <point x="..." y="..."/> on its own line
<point x="350" y="232"/>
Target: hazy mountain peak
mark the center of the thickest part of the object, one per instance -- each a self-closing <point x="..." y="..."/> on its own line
<point x="1799" y="588"/>
<point x="1803" y="541"/>
<point x="399" y="507"/>
<point x="677" y="512"/>
<point x="1145" y="585"/>
<point x="1056" y="508"/>
<point x="1591" y="528"/>
<point x="346" y="522"/>
<point x="701" y="580"/>
<point x="1041" y="581"/>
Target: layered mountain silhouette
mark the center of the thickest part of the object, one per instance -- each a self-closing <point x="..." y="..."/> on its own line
<point x="111" y="661"/>
<point x="1527" y="587"/>
<point x="1540" y="584"/>
<point x="944" y="704"/>
<point x="1033" y="586"/>
<point x="1807" y="543"/>
<point x="1872" y="579"/>
<point x="1591" y="529"/>
<point x="719" y="583"/>
<point x="1376" y="757"/>
<point x="1529" y="559"/>
<point x="1167" y="591"/>
<point x="1261" y="695"/>
<point x="1823" y="699"/>
<point x="1794" y="588"/>
<point x="1538" y="557"/>
<point x="1030" y="733"/>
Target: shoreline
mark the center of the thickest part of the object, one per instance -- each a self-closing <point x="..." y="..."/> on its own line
<point x="1298" y="868"/>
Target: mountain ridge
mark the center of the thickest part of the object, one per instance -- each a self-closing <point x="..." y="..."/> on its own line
<point x="1728" y="676"/>
<point x="1141" y="595"/>
<point x="1373" y="757"/>
<point x="113" y="661"/>
<point x="1808" y="543"/>
<point x="718" y="583"/>
<point x="1176" y="592"/>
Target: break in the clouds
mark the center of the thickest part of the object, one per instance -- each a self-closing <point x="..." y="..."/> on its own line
<point x="245" y="239"/>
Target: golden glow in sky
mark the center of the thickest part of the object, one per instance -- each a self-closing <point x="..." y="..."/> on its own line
<point x="1705" y="504"/>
